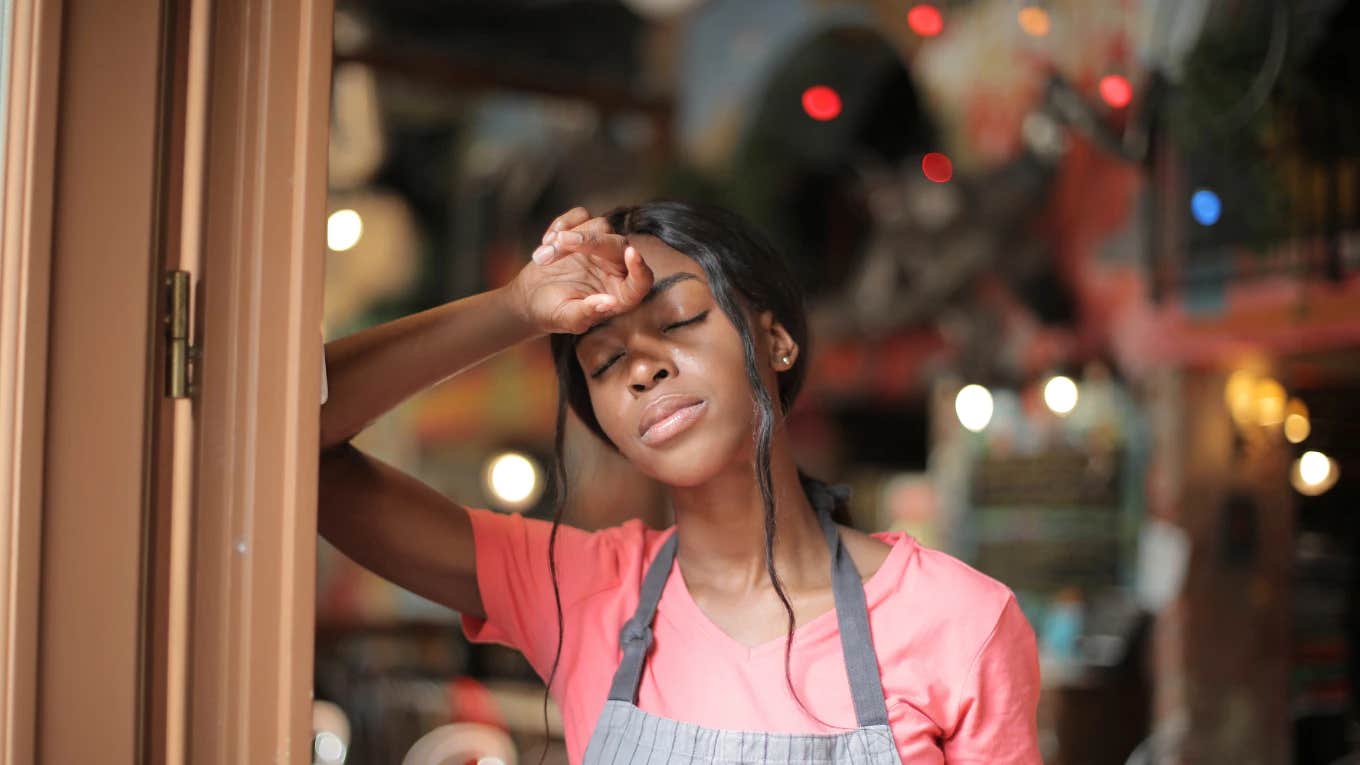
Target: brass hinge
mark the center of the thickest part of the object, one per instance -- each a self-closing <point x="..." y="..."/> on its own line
<point x="180" y="354"/>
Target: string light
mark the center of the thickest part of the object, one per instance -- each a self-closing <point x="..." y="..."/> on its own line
<point x="1060" y="395"/>
<point x="1116" y="90"/>
<point x="1313" y="473"/>
<point x="513" y="480"/>
<point x="937" y="167"/>
<point x="1240" y="395"/>
<point x="1297" y="427"/>
<point x="343" y="230"/>
<point x="974" y="407"/>
<point x="925" y="20"/>
<point x="1034" y="21"/>
<point x="1206" y="207"/>
<point x="1270" y="398"/>
<point x="822" y="103"/>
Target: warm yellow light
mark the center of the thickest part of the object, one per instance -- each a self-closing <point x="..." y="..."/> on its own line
<point x="1296" y="428"/>
<point x="974" y="407"/>
<point x="343" y="230"/>
<point x="1034" y="21"/>
<point x="1270" y="398"/>
<point x="1314" y="473"/>
<point x="513" y="480"/>
<point x="1060" y="394"/>
<point x="1240" y="396"/>
<point x="1314" y="467"/>
<point x="1296" y="423"/>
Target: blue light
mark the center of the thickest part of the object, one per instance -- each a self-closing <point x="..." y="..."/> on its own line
<point x="1206" y="207"/>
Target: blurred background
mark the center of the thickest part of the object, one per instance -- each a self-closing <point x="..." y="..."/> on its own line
<point x="1085" y="291"/>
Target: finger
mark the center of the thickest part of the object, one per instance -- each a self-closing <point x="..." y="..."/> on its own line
<point x="546" y="254"/>
<point x="567" y="220"/>
<point x="580" y="315"/>
<point x="608" y="246"/>
<point x="595" y="225"/>
<point x="639" y="280"/>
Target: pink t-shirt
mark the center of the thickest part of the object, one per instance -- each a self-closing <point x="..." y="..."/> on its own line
<point x="957" y="657"/>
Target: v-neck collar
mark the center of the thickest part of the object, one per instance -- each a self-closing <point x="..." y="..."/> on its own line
<point x="678" y="607"/>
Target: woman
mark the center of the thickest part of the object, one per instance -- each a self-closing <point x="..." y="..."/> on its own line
<point x="756" y="629"/>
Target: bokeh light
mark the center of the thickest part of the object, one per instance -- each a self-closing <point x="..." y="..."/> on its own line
<point x="822" y="103"/>
<point x="1060" y="395"/>
<point x="1034" y="21"/>
<point x="1116" y="90"/>
<point x="1240" y="396"/>
<point x="937" y="167"/>
<point x="1270" y="400"/>
<point x="343" y="230"/>
<point x="513" y="480"/>
<point x="925" y="20"/>
<point x="1206" y="207"/>
<point x="1313" y="473"/>
<point x="974" y="407"/>
<point x="1297" y="426"/>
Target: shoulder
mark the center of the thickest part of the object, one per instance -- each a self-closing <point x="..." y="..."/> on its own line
<point x="586" y="560"/>
<point x="941" y="595"/>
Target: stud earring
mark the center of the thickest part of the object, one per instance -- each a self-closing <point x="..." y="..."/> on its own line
<point x="784" y="360"/>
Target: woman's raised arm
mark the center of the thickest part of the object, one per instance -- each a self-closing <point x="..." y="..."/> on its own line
<point x="390" y="522"/>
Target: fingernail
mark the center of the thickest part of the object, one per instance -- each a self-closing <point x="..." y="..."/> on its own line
<point x="579" y="237"/>
<point x="548" y="237"/>
<point x="542" y="252"/>
<point x="601" y="308"/>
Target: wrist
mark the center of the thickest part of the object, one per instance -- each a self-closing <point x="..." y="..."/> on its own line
<point x="516" y="309"/>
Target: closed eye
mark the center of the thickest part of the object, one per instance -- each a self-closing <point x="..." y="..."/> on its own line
<point x="685" y="323"/>
<point x="695" y="320"/>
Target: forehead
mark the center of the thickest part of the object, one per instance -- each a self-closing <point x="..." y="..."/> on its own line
<point x="663" y="259"/>
<point x="665" y="263"/>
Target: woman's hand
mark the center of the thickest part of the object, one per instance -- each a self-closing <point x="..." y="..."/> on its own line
<point x="582" y="274"/>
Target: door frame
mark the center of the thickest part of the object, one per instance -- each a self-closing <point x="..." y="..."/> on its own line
<point x="29" y="144"/>
<point x="260" y="313"/>
<point x="157" y="556"/>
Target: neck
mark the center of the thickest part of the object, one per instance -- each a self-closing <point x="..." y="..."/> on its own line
<point x="721" y="528"/>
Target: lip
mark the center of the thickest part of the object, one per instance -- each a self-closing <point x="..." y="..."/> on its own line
<point x="668" y="416"/>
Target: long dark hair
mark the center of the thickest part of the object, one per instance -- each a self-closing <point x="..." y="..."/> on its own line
<point x="742" y="267"/>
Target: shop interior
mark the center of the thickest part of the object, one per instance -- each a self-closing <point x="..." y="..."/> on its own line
<point x="1084" y="279"/>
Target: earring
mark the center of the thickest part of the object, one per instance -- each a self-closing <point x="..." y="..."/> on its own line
<point x="784" y="360"/>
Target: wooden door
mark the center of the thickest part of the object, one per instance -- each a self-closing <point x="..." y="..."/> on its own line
<point x="156" y="553"/>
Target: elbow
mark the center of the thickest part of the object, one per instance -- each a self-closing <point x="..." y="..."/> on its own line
<point x="335" y="454"/>
<point x="333" y="435"/>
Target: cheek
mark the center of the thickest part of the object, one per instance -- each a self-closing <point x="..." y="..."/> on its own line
<point x="607" y="413"/>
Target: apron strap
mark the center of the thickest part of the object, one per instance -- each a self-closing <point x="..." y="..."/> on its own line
<point x="636" y="636"/>
<point x="852" y="614"/>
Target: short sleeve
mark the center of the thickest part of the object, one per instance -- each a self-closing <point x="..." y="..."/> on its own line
<point x="997" y="721"/>
<point x="516" y="583"/>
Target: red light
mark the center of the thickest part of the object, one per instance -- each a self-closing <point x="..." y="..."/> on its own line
<point x="925" y="20"/>
<point x="1116" y="90"/>
<point x="821" y="103"/>
<point x="937" y="167"/>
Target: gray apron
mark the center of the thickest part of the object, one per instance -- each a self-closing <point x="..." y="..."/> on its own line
<point x="626" y="734"/>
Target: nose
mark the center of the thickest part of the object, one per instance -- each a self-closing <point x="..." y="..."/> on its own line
<point x="647" y="370"/>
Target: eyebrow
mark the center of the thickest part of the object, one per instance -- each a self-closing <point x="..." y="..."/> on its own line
<point x="658" y="287"/>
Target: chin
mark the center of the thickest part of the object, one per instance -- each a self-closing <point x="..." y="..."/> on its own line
<point x="694" y="458"/>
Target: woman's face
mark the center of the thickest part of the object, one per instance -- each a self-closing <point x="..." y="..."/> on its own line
<point x="668" y="379"/>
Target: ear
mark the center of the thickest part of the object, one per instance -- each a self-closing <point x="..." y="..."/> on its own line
<point x="779" y="344"/>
